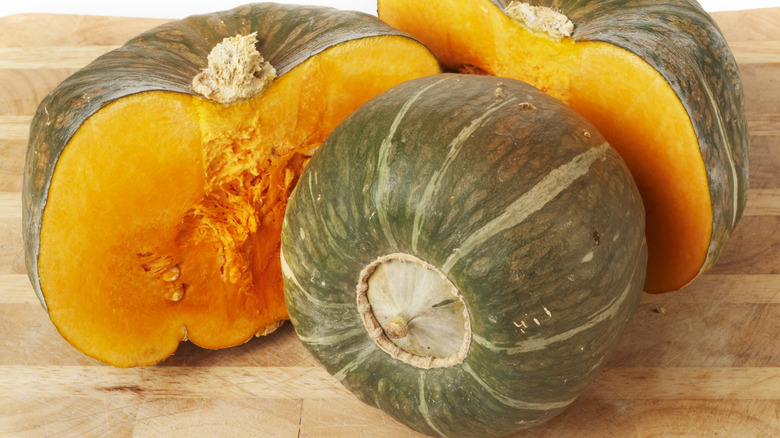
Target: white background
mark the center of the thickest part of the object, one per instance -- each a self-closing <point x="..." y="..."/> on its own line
<point x="178" y="9"/>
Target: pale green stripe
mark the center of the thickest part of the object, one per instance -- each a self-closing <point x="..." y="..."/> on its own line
<point x="530" y="202"/>
<point x="454" y="148"/>
<point x="727" y="149"/>
<point x="287" y="272"/>
<point x="519" y="404"/>
<point x="333" y="339"/>
<point x="424" y="405"/>
<point x="383" y="179"/>
<point x="348" y="368"/>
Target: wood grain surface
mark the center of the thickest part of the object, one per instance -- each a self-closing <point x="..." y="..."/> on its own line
<point x="704" y="361"/>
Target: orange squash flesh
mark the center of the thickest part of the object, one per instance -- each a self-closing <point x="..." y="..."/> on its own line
<point x="630" y="103"/>
<point x="165" y="210"/>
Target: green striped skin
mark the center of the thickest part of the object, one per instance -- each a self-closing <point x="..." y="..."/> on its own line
<point x="524" y="207"/>
<point x="685" y="46"/>
<point x="166" y="58"/>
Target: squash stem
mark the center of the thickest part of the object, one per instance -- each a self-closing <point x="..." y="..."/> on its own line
<point x="413" y="312"/>
<point x="541" y="19"/>
<point x="236" y="71"/>
<point x="397" y="328"/>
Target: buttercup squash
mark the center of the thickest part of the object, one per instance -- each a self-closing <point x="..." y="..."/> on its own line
<point x="157" y="176"/>
<point x="655" y="77"/>
<point x="464" y="252"/>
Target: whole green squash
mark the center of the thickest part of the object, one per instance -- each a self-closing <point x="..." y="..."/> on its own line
<point x="464" y="252"/>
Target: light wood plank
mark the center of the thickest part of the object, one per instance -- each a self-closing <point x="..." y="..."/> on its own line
<point x="686" y="383"/>
<point x="12" y="156"/>
<point x="15" y="127"/>
<point x="752" y="248"/>
<point x="724" y="289"/>
<point x="36" y="30"/>
<point x="761" y="86"/>
<point x="16" y="289"/>
<point x="756" y="52"/>
<point x="28" y="417"/>
<point x="22" y="90"/>
<point x="10" y="205"/>
<point x="313" y="383"/>
<point x="674" y="332"/>
<point x="748" y="25"/>
<point x="241" y="417"/>
<point x="764" y="123"/>
<point x="11" y="252"/>
<point x="594" y="418"/>
<point x="49" y="56"/>
<point x="321" y="418"/>
<point x="763" y="202"/>
<point x="765" y="161"/>
<point x="170" y="382"/>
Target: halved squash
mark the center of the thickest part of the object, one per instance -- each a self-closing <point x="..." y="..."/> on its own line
<point x="656" y="79"/>
<point x="152" y="212"/>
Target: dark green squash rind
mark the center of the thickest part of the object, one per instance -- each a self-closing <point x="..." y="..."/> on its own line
<point x="365" y="173"/>
<point x="685" y="45"/>
<point x="166" y="58"/>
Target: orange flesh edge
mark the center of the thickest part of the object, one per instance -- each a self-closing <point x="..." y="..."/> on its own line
<point x="165" y="210"/>
<point x="627" y="100"/>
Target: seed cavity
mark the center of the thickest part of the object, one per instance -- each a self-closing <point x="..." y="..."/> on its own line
<point x="176" y="292"/>
<point x="171" y="274"/>
<point x="162" y="268"/>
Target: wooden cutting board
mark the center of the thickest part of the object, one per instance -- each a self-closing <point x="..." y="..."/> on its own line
<point x="704" y="361"/>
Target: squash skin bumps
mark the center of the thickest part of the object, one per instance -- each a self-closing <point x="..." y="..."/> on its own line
<point x="690" y="72"/>
<point x="225" y="169"/>
<point x="501" y="228"/>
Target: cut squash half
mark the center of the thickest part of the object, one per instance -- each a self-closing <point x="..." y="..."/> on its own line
<point x="160" y="216"/>
<point x="657" y="80"/>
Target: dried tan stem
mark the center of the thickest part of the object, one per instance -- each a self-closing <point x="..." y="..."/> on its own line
<point x="236" y="71"/>
<point x="541" y="19"/>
